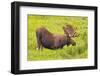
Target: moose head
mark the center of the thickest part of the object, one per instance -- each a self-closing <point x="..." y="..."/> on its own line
<point x="68" y="37"/>
<point x="71" y="31"/>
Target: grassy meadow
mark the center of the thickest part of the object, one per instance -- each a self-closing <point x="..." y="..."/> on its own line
<point x="54" y="24"/>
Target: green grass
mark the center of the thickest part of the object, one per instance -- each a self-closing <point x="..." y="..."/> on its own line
<point x="54" y="24"/>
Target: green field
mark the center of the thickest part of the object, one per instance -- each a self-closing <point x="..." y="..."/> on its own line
<point x="54" y="24"/>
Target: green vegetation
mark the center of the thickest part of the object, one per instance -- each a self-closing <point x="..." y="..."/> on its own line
<point x="54" y="24"/>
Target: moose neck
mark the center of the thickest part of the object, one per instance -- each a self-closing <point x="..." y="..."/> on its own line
<point x="67" y="40"/>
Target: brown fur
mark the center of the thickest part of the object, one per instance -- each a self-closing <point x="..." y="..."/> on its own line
<point x="51" y="41"/>
<point x="71" y="31"/>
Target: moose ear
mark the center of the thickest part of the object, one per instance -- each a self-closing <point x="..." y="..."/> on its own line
<point x="65" y="31"/>
<point x="63" y="28"/>
<point x="69" y="26"/>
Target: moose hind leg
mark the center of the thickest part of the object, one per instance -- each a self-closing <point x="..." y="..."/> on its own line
<point x="38" y="45"/>
<point x="41" y="47"/>
<point x="38" y="41"/>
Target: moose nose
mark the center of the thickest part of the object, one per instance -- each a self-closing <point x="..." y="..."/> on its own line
<point x="74" y="44"/>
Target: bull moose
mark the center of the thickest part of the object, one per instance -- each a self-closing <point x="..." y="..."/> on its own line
<point x="49" y="40"/>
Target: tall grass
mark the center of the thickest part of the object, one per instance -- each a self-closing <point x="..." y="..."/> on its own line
<point x="54" y="24"/>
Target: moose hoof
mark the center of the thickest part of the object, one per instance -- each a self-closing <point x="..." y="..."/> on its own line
<point x="37" y="48"/>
